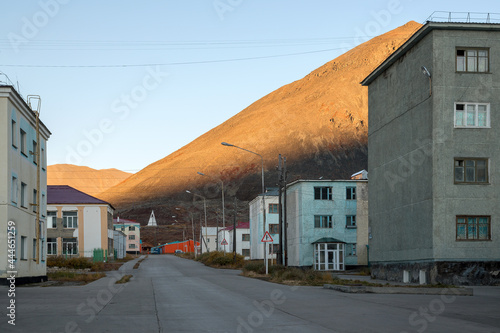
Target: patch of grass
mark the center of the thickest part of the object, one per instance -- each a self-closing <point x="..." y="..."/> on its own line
<point x="137" y="264"/>
<point x="84" y="278"/>
<point x="124" y="279"/>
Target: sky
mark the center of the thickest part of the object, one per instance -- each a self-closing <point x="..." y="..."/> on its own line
<point x="125" y="83"/>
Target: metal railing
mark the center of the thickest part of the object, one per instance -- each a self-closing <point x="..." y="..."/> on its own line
<point x="464" y="17"/>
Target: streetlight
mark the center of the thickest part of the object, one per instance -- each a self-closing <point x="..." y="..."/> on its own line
<point x="263" y="194"/>
<point x="205" y="209"/>
<point x="223" y="215"/>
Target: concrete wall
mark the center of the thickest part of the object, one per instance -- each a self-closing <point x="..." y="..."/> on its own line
<point x="449" y="142"/>
<point x="400" y="159"/>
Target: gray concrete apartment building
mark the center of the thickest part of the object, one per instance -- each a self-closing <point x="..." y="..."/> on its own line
<point x="434" y="157"/>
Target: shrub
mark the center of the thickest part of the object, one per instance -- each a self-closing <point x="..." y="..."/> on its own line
<point x="255" y="266"/>
<point x="58" y="261"/>
<point x="78" y="263"/>
<point x="218" y="259"/>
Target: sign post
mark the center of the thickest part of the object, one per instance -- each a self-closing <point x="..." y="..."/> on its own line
<point x="266" y="239"/>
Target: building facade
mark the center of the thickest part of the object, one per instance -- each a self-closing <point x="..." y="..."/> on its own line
<point x="434" y="157"/>
<point x="271" y="201"/>
<point x="23" y="197"/>
<point x="327" y="223"/>
<point x="78" y="224"/>
<point x="242" y="238"/>
<point x="209" y="243"/>
<point x="132" y="231"/>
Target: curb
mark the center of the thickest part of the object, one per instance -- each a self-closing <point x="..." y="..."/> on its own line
<point x="400" y="290"/>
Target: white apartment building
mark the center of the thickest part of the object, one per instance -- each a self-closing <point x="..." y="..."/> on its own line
<point x="23" y="189"/>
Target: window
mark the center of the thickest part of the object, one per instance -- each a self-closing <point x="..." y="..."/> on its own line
<point x="273" y="208"/>
<point x="274" y="228"/>
<point x="23" y="142"/>
<point x="472" y="115"/>
<point x="13" y="189"/>
<point x="132" y="237"/>
<point x="350" y="249"/>
<point x="35" y="200"/>
<point x="52" y="246"/>
<point x="473" y="60"/>
<point x="323" y="221"/>
<point x="34" y="152"/>
<point x="350" y="221"/>
<point x="245" y="237"/>
<point x="245" y="252"/>
<point x="323" y="193"/>
<point x="131" y="228"/>
<point x="34" y="248"/>
<point x="24" y="188"/>
<point x="350" y="193"/>
<point x="42" y="159"/>
<point x="14" y="133"/>
<point x="131" y="246"/>
<point x="51" y="220"/>
<point x="471" y="171"/>
<point x="24" y="247"/>
<point x="476" y="228"/>
<point x="274" y="248"/>
<point x="42" y="205"/>
<point x="70" y="220"/>
<point x="70" y="246"/>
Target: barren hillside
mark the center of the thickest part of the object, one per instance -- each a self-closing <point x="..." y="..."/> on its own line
<point x="85" y="179"/>
<point x="319" y="123"/>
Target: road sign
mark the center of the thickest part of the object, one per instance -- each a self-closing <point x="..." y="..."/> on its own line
<point x="267" y="238"/>
<point x="224" y="242"/>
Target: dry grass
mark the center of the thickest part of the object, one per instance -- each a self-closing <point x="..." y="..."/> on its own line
<point x="83" y="278"/>
<point x="124" y="279"/>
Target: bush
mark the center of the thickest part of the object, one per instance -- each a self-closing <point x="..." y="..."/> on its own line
<point x="218" y="259"/>
<point x="78" y="263"/>
<point x="255" y="266"/>
<point x="58" y="261"/>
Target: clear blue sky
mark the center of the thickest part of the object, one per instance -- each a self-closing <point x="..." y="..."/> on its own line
<point x="128" y="117"/>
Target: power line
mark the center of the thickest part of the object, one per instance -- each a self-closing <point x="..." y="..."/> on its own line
<point x="173" y="63"/>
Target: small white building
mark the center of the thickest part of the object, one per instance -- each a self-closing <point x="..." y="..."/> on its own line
<point x="209" y="242"/>
<point x="132" y="230"/>
<point x="242" y="238"/>
<point x="23" y="199"/>
<point x="120" y="244"/>
<point x="271" y="202"/>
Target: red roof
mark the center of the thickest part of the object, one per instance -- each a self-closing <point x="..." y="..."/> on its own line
<point x="240" y="225"/>
<point x="64" y="194"/>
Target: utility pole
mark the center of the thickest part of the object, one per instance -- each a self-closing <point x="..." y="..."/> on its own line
<point x="234" y="231"/>
<point x="280" y="215"/>
<point x="285" y="222"/>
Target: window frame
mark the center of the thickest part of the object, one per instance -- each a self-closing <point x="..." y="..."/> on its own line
<point x="131" y="237"/>
<point x="245" y="252"/>
<point x="74" y="246"/>
<point x="274" y="227"/>
<point x="245" y="237"/>
<point x="23" y="142"/>
<point x="476" y="116"/>
<point x="350" y="222"/>
<point x="466" y="61"/>
<point x="320" y="223"/>
<point x="319" y="195"/>
<point x="476" y="228"/>
<point x="14" y="133"/>
<point x="275" y="208"/>
<point x="475" y="159"/>
<point x="350" y="193"/>
<point x="351" y="250"/>
<point x="24" y="188"/>
<point x="52" y="246"/>
<point x="51" y="219"/>
<point x="74" y="220"/>
<point x="14" y="189"/>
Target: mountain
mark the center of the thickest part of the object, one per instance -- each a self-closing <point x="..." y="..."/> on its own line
<point x="320" y="123"/>
<point x="85" y="179"/>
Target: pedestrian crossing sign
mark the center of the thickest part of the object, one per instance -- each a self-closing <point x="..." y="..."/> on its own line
<point x="224" y="242"/>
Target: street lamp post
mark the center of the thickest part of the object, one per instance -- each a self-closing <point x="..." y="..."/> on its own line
<point x="205" y="210"/>
<point x="263" y="195"/>
<point x="223" y="215"/>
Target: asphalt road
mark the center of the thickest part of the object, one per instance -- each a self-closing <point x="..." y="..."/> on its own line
<point x="169" y="294"/>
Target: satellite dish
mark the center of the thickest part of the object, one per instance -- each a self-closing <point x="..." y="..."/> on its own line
<point x="425" y="71"/>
